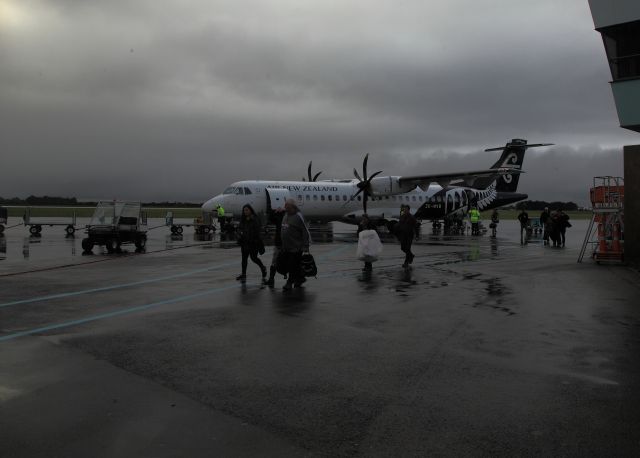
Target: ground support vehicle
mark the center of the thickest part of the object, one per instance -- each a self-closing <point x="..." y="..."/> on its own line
<point x="201" y="224"/>
<point x="115" y="223"/>
<point x="35" y="225"/>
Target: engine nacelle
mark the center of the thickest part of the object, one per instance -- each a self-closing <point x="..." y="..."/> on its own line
<point x="384" y="186"/>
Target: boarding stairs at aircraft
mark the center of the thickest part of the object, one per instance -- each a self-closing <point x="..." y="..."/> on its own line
<point x="605" y="233"/>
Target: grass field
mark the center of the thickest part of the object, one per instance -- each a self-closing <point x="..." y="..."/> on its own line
<point x="86" y="212"/>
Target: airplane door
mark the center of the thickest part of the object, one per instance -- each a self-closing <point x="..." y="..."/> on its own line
<point x="276" y="198"/>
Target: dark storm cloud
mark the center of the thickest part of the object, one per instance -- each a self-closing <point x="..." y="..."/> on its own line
<point x="136" y="100"/>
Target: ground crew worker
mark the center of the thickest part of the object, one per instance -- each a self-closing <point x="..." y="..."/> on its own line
<point x="474" y="216"/>
<point x="220" y="212"/>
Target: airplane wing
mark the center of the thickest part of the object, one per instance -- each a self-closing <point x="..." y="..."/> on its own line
<point x="459" y="179"/>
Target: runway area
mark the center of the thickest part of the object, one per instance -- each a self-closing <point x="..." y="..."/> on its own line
<point x="485" y="347"/>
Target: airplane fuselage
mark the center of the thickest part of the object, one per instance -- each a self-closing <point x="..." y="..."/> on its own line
<point x="331" y="200"/>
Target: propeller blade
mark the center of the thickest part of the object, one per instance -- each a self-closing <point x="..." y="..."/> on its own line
<point x="364" y="166"/>
<point x="316" y="176"/>
<point x="371" y="177"/>
<point x="309" y="171"/>
<point x="353" y="197"/>
<point x="355" y="172"/>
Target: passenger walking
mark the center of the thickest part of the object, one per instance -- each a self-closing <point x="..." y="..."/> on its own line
<point x="545" y="220"/>
<point x="276" y="219"/>
<point x="563" y="223"/>
<point x="250" y="242"/>
<point x="365" y="225"/>
<point x="523" y="217"/>
<point x="405" y="231"/>
<point x="295" y="242"/>
<point x="474" y="216"/>
<point x="495" y="219"/>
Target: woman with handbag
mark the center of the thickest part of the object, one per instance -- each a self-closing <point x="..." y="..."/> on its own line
<point x="250" y="242"/>
<point x="295" y="242"/>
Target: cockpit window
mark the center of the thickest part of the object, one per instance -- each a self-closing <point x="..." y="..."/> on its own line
<point x="235" y="190"/>
<point x="247" y="191"/>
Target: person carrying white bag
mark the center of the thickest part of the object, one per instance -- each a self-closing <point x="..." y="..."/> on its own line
<point x="369" y="245"/>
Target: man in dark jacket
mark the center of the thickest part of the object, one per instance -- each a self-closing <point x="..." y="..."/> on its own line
<point x="405" y="231"/>
<point x="545" y="220"/>
<point x="563" y="224"/>
<point x="523" y="217"/>
<point x="250" y="242"/>
<point x="295" y="241"/>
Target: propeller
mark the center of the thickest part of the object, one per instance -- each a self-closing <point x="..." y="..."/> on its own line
<point x="364" y="184"/>
<point x="315" y="177"/>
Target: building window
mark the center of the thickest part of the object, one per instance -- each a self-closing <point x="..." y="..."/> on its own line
<point x="623" y="49"/>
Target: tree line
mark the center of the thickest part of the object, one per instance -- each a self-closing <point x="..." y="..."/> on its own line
<point x="541" y="204"/>
<point x="73" y="202"/>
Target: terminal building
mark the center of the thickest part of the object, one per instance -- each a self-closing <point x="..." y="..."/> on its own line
<point x="618" y="21"/>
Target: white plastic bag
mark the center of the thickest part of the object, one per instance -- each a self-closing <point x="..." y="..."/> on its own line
<point x="369" y="246"/>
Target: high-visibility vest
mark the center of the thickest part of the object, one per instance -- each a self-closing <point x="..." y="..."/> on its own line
<point x="220" y="212"/>
<point x="474" y="215"/>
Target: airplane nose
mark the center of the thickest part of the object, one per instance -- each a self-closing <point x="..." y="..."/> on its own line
<point x="211" y="204"/>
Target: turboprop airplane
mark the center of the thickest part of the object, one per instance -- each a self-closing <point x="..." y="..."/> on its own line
<point x="429" y="196"/>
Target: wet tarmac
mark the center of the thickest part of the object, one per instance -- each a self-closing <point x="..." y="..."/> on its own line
<point x="486" y="347"/>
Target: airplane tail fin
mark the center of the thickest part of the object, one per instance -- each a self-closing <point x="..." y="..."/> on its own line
<point x="512" y="157"/>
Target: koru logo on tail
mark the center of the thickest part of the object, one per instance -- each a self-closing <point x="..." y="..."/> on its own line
<point x="512" y="162"/>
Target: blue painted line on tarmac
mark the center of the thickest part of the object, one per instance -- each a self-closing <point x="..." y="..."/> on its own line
<point x="126" y="311"/>
<point x="140" y="308"/>
<point x="137" y="283"/>
<point x="112" y="287"/>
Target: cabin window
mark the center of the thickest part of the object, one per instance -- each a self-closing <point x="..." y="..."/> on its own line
<point x="344" y="198"/>
<point x="229" y="190"/>
<point x="238" y="192"/>
<point x="308" y="197"/>
<point x="329" y="197"/>
<point x="386" y="197"/>
<point x="315" y="197"/>
<point x="247" y="191"/>
<point x="413" y="198"/>
<point x="322" y="197"/>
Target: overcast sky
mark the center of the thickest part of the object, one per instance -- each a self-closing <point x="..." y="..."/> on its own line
<point x="173" y="100"/>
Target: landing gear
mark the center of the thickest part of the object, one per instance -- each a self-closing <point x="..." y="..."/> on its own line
<point x="70" y="230"/>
